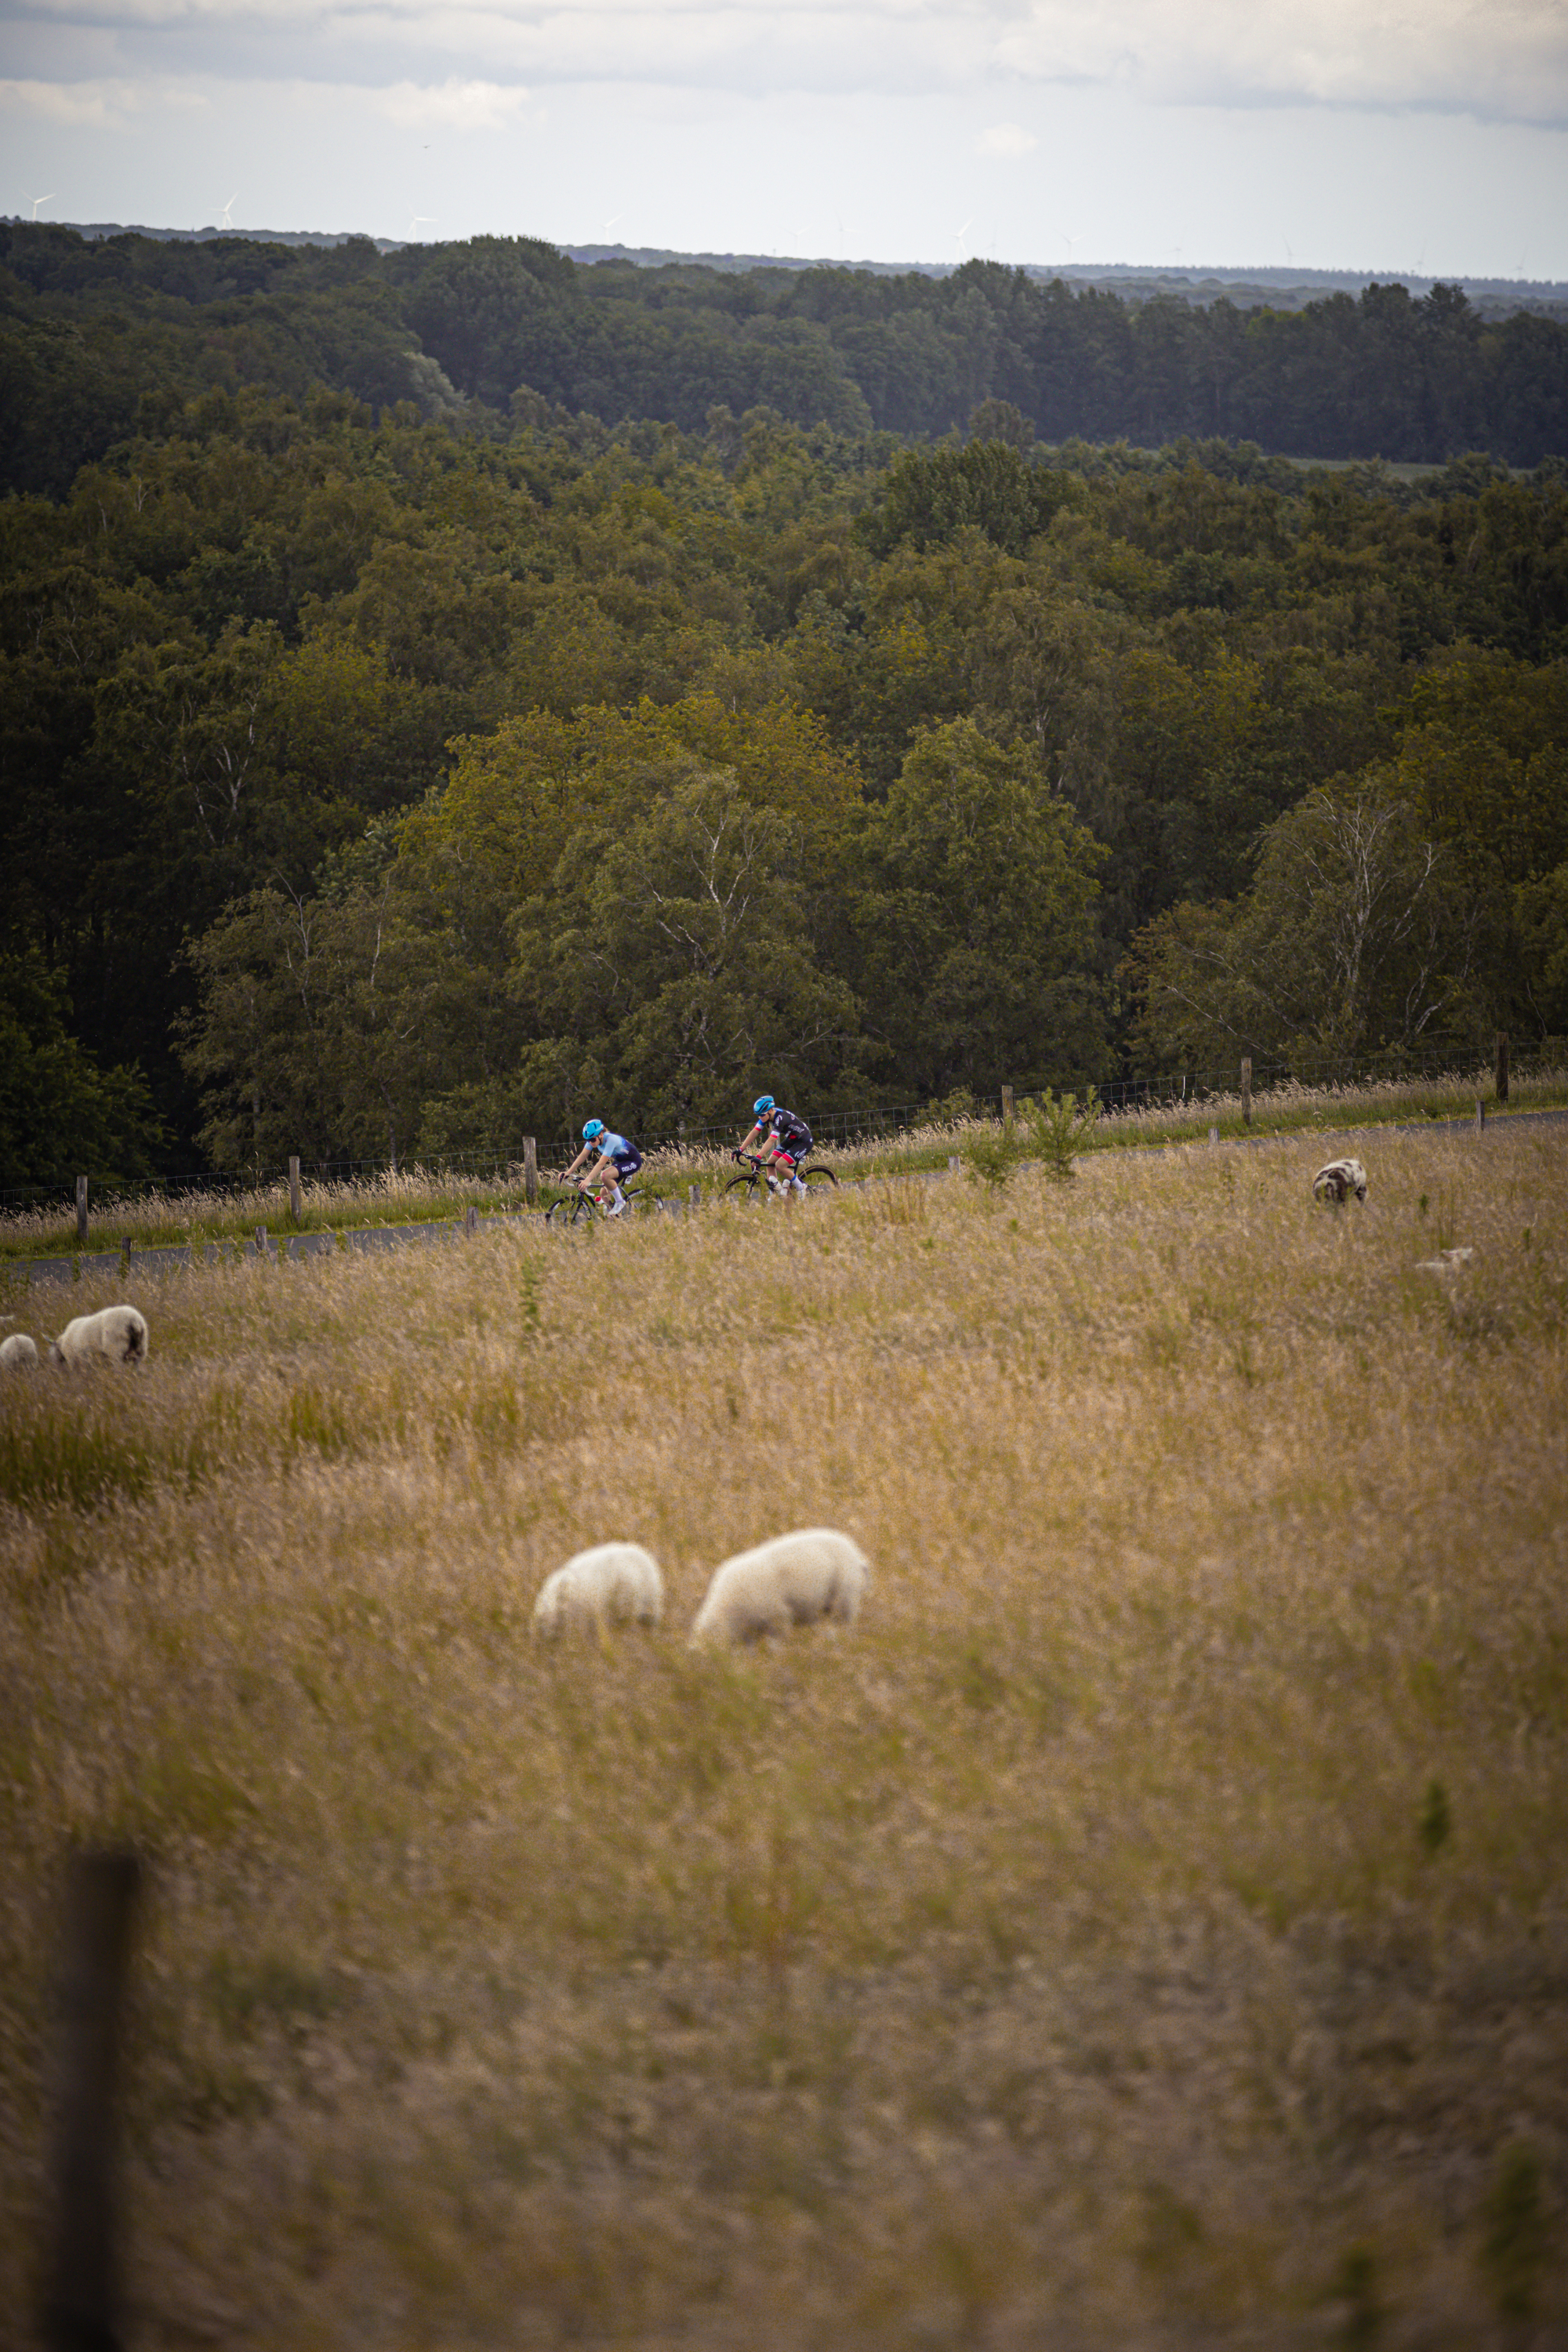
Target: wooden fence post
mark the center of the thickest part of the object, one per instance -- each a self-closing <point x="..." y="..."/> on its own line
<point x="261" y="1241"/>
<point x="294" y="1186"/>
<point x="1246" y="1090"/>
<point x="694" y="1193"/>
<point x="1006" y="1110"/>
<point x="80" y="2282"/>
<point x="1503" y="1066"/>
<point x="1480" y="1114"/>
<point x="529" y="1171"/>
<point x="470" y="1219"/>
<point x="81" y="1211"/>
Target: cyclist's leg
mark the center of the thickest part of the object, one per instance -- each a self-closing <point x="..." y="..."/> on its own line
<point x="620" y="1175"/>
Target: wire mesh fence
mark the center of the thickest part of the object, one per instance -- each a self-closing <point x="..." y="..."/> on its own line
<point x="846" y="1128"/>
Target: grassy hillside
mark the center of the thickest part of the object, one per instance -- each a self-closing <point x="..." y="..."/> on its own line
<point x="1145" y="1929"/>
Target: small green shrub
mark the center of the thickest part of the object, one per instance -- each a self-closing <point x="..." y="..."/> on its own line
<point x="1514" y="2249"/>
<point x="991" y="1158"/>
<point x="1057" y="1126"/>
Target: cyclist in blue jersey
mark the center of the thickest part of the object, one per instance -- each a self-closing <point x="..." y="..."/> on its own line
<point x="783" y="1139"/>
<point x="617" y="1160"/>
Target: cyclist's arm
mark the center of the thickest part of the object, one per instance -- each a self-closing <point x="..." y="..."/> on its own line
<point x="748" y="1142"/>
<point x="583" y="1155"/>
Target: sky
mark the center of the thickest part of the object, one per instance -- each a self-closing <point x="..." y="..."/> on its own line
<point x="1428" y="137"/>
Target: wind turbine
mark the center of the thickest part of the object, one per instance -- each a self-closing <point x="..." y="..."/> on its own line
<point x="224" y="219"/>
<point x="37" y="201"/>
<point x="420" y="220"/>
<point x="958" y="234"/>
<point x="608" y="225"/>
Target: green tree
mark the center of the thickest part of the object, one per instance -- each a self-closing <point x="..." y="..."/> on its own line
<point x="1358" y="938"/>
<point x="61" y="1114"/>
<point x="972" y="916"/>
<point x="672" y="961"/>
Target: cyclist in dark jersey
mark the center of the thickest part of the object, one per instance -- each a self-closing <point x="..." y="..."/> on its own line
<point x="781" y="1140"/>
<point x="617" y="1159"/>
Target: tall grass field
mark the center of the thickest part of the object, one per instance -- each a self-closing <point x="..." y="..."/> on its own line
<point x="1148" y="1927"/>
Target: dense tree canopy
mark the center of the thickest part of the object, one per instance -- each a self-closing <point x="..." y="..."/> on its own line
<point x="374" y="779"/>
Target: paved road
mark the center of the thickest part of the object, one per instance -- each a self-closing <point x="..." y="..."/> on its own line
<point x="23" y="1272"/>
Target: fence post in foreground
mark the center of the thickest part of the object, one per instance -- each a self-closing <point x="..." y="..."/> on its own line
<point x="294" y="1186"/>
<point x="529" y="1171"/>
<point x="82" y="1211"/>
<point x="80" y="2273"/>
<point x="1246" y="1090"/>
<point x="470" y="1219"/>
<point x="261" y="1241"/>
<point x="1503" y="1066"/>
<point x="694" y="1193"/>
<point x="1480" y="1114"/>
<point x="1006" y="1110"/>
<point x="1213" y="1135"/>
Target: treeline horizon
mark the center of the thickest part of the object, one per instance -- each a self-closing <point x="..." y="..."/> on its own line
<point x="104" y="338"/>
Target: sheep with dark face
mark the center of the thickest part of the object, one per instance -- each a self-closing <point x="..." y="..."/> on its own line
<point x="117" y="1333"/>
<point x="1338" y="1179"/>
<point x="614" y="1580"/>
<point x="795" y="1579"/>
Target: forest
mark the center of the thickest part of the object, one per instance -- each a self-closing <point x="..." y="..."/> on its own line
<point x="450" y="691"/>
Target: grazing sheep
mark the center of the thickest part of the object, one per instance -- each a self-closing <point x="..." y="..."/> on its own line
<point x="1338" y="1179"/>
<point x="613" y="1581"/>
<point x="793" y="1581"/>
<point x="17" y="1349"/>
<point x="118" y="1332"/>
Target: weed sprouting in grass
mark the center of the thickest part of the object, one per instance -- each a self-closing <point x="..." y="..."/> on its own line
<point x="1514" y="2243"/>
<point x="1436" y="1823"/>
<point x="1357" y="2291"/>
<point x="1061" y="1955"/>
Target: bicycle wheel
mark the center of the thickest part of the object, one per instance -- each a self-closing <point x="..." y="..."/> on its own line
<point x="574" y="1209"/>
<point x="741" y="1184"/>
<point x="810" y="1176"/>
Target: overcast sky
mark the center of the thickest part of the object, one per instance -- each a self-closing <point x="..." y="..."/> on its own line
<point x="1430" y="137"/>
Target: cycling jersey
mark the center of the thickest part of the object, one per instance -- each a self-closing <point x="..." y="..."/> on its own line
<point x="625" y="1156"/>
<point x="790" y="1132"/>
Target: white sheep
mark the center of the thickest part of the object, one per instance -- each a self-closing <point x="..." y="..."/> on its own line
<point x="612" y="1581"/>
<point x="791" y="1580"/>
<point x="17" y="1349"/>
<point x="1340" y="1178"/>
<point x="118" y="1332"/>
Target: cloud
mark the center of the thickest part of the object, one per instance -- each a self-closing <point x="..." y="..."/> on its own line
<point x="1006" y="138"/>
<point x="1507" y="59"/>
<point x="452" y="105"/>
<point x="97" y="105"/>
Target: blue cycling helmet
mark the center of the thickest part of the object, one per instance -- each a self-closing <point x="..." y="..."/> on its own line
<point x="594" y="1126"/>
<point x="763" y="1103"/>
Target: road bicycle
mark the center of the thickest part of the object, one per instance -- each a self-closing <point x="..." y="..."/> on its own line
<point x="812" y="1175"/>
<point x="576" y="1208"/>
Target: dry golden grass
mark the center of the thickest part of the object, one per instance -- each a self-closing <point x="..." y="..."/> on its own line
<point x="1148" y="1928"/>
<point x="150" y="1218"/>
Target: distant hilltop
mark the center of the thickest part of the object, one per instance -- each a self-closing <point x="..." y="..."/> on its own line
<point x="1286" y="289"/>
